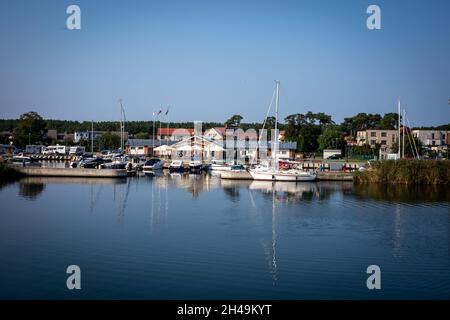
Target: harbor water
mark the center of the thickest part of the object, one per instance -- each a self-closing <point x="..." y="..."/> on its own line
<point x="173" y="236"/>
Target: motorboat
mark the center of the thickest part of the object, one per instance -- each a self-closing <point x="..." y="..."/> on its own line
<point x="153" y="164"/>
<point x="176" y="165"/>
<point x="195" y="165"/>
<point x="118" y="162"/>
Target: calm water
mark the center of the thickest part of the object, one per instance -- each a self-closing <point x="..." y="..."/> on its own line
<point x="194" y="236"/>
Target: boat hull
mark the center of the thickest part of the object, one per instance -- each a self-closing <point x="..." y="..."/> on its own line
<point x="279" y="176"/>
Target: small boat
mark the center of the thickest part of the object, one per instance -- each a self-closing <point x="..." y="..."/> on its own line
<point x="119" y="162"/>
<point x="176" y="165"/>
<point x="219" y="166"/>
<point x="153" y="164"/>
<point x="21" y="159"/>
<point x="195" y="165"/>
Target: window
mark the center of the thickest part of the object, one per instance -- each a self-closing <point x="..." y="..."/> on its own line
<point x="373" y="142"/>
<point x="373" y="134"/>
<point x="432" y="136"/>
<point x="383" y="142"/>
<point x="384" y="134"/>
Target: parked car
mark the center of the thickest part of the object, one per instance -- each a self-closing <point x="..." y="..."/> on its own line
<point x="335" y="157"/>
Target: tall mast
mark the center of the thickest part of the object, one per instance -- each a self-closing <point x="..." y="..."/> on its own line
<point x="121" y="126"/>
<point x="92" y="136"/>
<point x="403" y="142"/>
<point x="275" y="139"/>
<point x="398" y="151"/>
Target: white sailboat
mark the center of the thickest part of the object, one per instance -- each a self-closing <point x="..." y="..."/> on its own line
<point x="272" y="172"/>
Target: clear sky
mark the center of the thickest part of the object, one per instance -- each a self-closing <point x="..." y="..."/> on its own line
<point x="211" y="59"/>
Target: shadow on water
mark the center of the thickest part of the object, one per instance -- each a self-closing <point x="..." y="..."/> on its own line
<point x="31" y="191"/>
<point x="403" y="193"/>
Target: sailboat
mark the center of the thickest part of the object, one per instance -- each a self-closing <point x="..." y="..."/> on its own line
<point x="272" y="172"/>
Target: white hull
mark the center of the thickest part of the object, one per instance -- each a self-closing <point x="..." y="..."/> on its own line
<point x="156" y="166"/>
<point x="220" y="168"/>
<point x="282" y="176"/>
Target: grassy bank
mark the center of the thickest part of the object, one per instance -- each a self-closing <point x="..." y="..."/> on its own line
<point x="411" y="172"/>
<point x="8" y="173"/>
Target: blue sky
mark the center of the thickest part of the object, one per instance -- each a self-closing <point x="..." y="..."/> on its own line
<point x="211" y="59"/>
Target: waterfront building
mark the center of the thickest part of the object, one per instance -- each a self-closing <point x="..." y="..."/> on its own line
<point x="173" y="134"/>
<point x="431" y="138"/>
<point x="34" y="149"/>
<point x="216" y="133"/>
<point x="88" y="135"/>
<point x="384" y="138"/>
<point x="141" y="147"/>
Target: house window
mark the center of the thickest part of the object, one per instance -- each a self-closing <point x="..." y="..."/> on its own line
<point x="384" y="134"/>
<point x="383" y="142"/>
<point x="141" y="148"/>
<point x="432" y="136"/>
<point x="433" y="143"/>
<point x="373" y="134"/>
<point x="373" y="142"/>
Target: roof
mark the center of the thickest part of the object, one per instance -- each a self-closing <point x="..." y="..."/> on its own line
<point x="146" y="142"/>
<point x="220" y="130"/>
<point x="177" y="131"/>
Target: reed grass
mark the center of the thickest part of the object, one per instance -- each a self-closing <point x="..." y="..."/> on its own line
<point x="409" y="172"/>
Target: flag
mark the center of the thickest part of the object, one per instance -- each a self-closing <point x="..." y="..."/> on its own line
<point x="160" y="110"/>
<point x="169" y="107"/>
<point x="154" y="113"/>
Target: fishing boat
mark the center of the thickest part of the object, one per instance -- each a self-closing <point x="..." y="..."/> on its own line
<point x="153" y="164"/>
<point x="272" y="172"/>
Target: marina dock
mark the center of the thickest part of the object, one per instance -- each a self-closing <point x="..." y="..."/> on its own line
<point x="72" y="172"/>
<point x="321" y="176"/>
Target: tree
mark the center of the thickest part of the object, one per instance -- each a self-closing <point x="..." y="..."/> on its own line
<point x="234" y="121"/>
<point x="108" y="140"/>
<point x="142" y="135"/>
<point x="305" y="129"/>
<point x="389" y="121"/>
<point x="410" y="150"/>
<point x="362" y="121"/>
<point x="30" y="129"/>
<point x="331" y="138"/>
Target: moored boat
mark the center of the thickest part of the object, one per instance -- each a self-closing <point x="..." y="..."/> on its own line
<point x="176" y="165"/>
<point x="153" y="164"/>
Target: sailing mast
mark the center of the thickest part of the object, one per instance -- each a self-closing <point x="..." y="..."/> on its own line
<point x="122" y="126"/>
<point x="399" y="117"/>
<point x="275" y="138"/>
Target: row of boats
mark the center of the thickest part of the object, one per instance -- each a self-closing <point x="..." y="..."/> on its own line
<point x="264" y="171"/>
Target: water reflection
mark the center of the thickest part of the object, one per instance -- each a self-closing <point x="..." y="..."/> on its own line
<point x="402" y="193"/>
<point x="31" y="191"/>
<point x="275" y="240"/>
